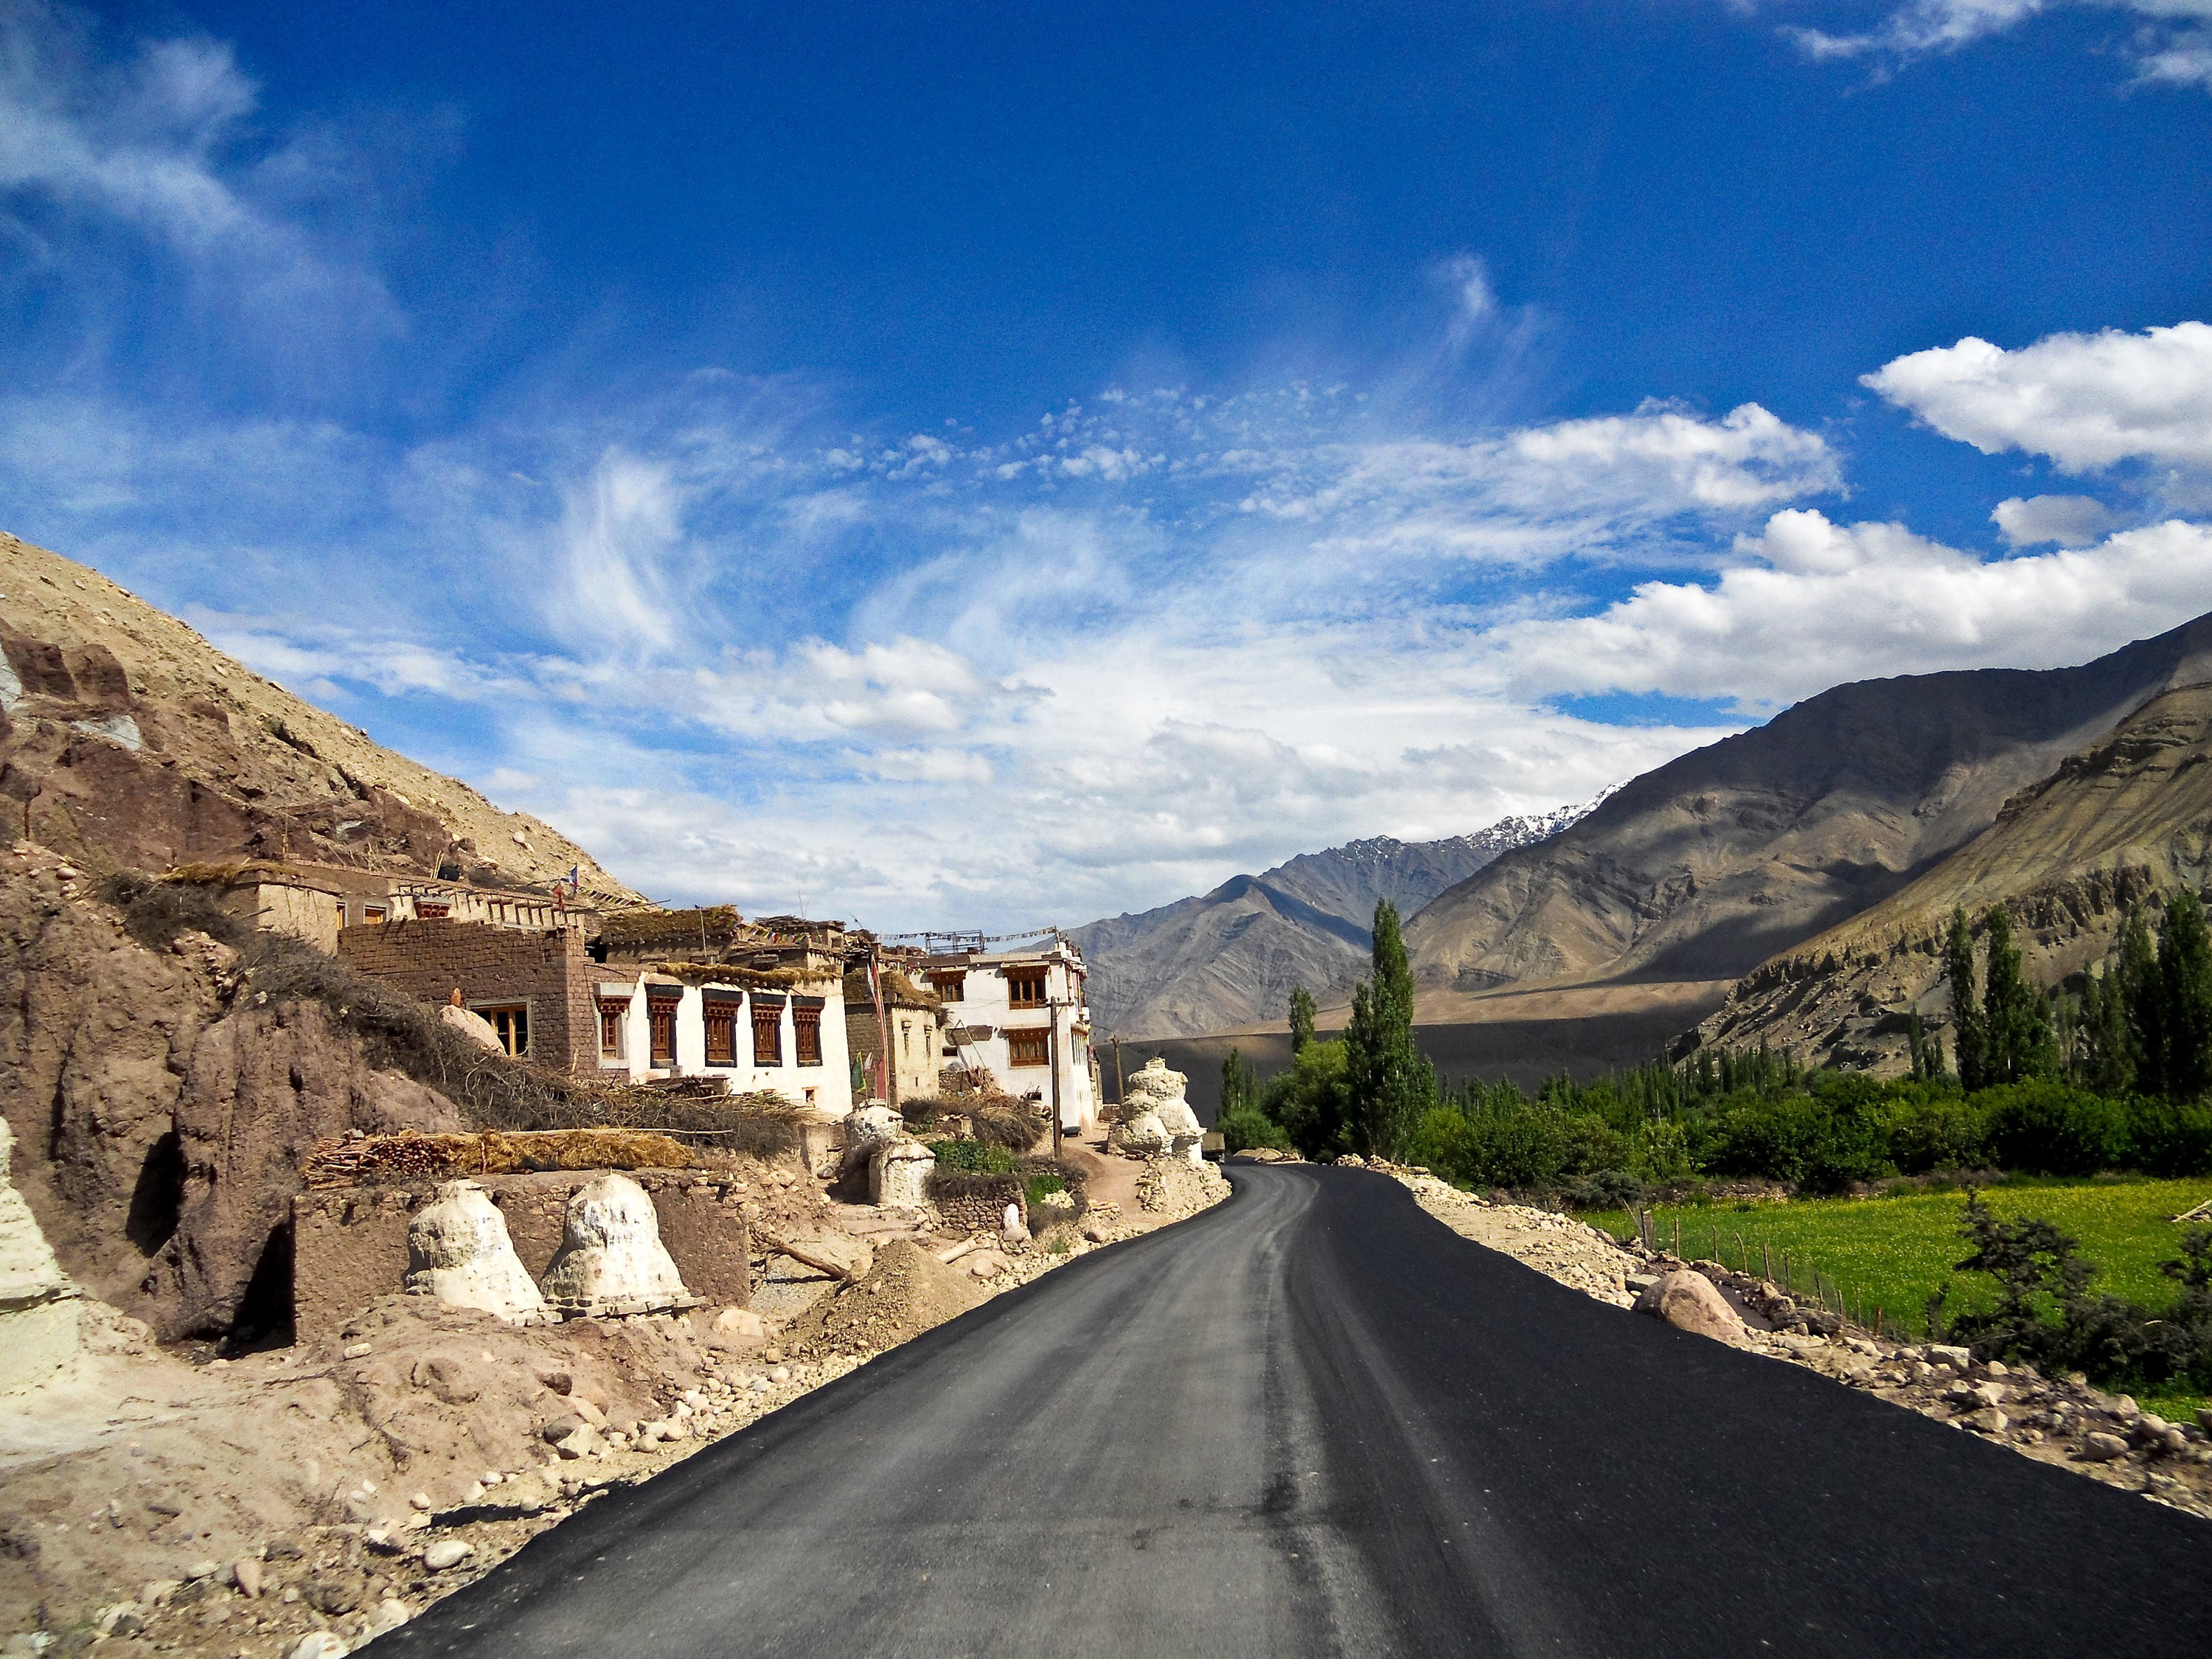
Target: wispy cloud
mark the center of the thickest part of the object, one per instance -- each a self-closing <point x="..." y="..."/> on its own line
<point x="2164" y="48"/>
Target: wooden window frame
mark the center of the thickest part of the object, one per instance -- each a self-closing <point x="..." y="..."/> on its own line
<point x="951" y="984"/>
<point x="1017" y="978"/>
<point x="614" y="1017"/>
<point x="805" y="1032"/>
<point x="1021" y="1044"/>
<point x="768" y="1022"/>
<point x="511" y="1021"/>
<point x="373" y="915"/>
<point x="658" y="1009"/>
<point x="722" y="1016"/>
<point x="432" y="911"/>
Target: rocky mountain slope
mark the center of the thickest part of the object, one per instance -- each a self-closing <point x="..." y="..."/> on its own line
<point x="2126" y="818"/>
<point x="1706" y="866"/>
<point x="127" y="740"/>
<point x="1230" y="957"/>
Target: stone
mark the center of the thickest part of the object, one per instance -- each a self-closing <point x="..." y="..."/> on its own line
<point x="203" y="1569"/>
<point x="1689" y="1301"/>
<point x="1988" y="1420"/>
<point x="740" y="1324"/>
<point x="585" y="1409"/>
<point x="2097" y="1447"/>
<point x="611" y="1259"/>
<point x="898" y="1174"/>
<point x="386" y="1616"/>
<point x="421" y="1500"/>
<point x="457" y="1251"/>
<point x="471" y="1024"/>
<point x="559" y="1382"/>
<point x="561" y="1428"/>
<point x="357" y="1351"/>
<point x="245" y="1572"/>
<point x="38" y="1302"/>
<point x="1957" y="1359"/>
<point x="319" y="1644"/>
<point x="583" y="1441"/>
<point x="446" y="1552"/>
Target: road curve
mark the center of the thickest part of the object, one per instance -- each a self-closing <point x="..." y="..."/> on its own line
<point x="1315" y="1421"/>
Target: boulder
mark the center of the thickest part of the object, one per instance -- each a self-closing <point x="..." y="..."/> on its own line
<point x="899" y="1172"/>
<point x="611" y="1260"/>
<point x="2097" y="1447"/>
<point x="38" y="1303"/>
<point x="459" y="1251"/>
<point x="1689" y="1301"/>
<point x="472" y="1025"/>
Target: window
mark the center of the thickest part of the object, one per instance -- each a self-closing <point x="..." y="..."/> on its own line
<point x="371" y="915"/>
<point x="433" y="912"/>
<point x="660" y="1016"/>
<point x="1028" y="1047"/>
<point x="951" y="984"/>
<point x="611" y="1030"/>
<point x="341" y="912"/>
<point x="1025" y="987"/>
<point x="806" y="1031"/>
<point x="768" y="1032"/>
<point x="512" y="1023"/>
<point x="722" y="1031"/>
<point x="906" y="1037"/>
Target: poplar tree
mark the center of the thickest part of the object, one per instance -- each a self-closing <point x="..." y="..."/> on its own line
<point x="2016" y="1037"/>
<point x="1302" y="1019"/>
<point x="1966" y="1041"/>
<point x="1391" y="1082"/>
<point x="2184" y="974"/>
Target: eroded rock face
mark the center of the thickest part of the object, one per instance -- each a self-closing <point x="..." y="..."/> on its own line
<point x="457" y="1250"/>
<point x="1689" y="1301"/>
<point x="38" y="1303"/>
<point x="611" y="1259"/>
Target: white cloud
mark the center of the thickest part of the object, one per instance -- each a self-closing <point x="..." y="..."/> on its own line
<point x="2085" y="400"/>
<point x="1928" y="29"/>
<point x="2069" y="520"/>
<point x="1826" y="603"/>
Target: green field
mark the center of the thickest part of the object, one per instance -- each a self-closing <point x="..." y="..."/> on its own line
<point x="1893" y="1253"/>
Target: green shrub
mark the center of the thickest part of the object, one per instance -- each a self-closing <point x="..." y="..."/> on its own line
<point x="2046" y="1127"/>
<point x="972" y="1157"/>
<point x="1038" y="1185"/>
<point x="1249" y="1126"/>
<point x="2169" y="1137"/>
<point x="1927" y="1131"/>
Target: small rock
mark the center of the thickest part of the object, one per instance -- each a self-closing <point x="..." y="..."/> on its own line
<point x="421" y="1500"/>
<point x="389" y="1614"/>
<point x="319" y="1644"/>
<point x="773" y="1355"/>
<point x="333" y="1597"/>
<point x="582" y="1441"/>
<point x="559" y="1382"/>
<point x="781" y="1373"/>
<point x="585" y="1409"/>
<point x="1956" y="1357"/>
<point x="1996" y="1368"/>
<point x="446" y="1552"/>
<point x="202" y="1570"/>
<point x="762" y="1385"/>
<point x="560" y="1429"/>
<point x="2097" y="1447"/>
<point x="1988" y="1420"/>
<point x="245" y="1572"/>
<point x="380" y="1539"/>
<point x="358" y="1351"/>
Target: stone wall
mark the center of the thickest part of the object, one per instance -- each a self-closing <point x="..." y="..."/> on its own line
<point x="547" y="971"/>
<point x="350" y="1246"/>
<point x="982" y="1209"/>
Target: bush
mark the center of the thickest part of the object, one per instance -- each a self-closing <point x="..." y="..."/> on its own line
<point x="972" y="1157"/>
<point x="1249" y="1126"/>
<point x="1927" y="1132"/>
<point x="154" y="912"/>
<point x="2169" y="1137"/>
<point x="2046" y="1127"/>
<point x="1799" y="1139"/>
<point x="1004" y="1122"/>
<point x="1606" y="1189"/>
<point x="1038" y="1185"/>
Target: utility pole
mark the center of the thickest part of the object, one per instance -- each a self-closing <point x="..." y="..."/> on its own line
<point x="889" y="1074"/>
<point x="1120" y="1082"/>
<point x="1052" y="1047"/>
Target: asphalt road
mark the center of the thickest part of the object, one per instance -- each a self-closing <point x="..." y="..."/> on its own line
<point x="1315" y="1421"/>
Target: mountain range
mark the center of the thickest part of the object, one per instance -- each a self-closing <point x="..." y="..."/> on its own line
<point x="1230" y="957"/>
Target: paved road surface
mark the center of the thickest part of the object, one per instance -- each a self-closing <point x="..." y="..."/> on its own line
<point x="1313" y="1421"/>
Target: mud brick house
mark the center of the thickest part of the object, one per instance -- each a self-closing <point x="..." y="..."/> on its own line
<point x="314" y="902"/>
<point x="1019" y="1017"/>
<point x="914" y="1021"/>
<point x="704" y="992"/>
<point x="535" y="986"/>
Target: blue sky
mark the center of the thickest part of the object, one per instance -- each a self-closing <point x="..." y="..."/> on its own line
<point x="975" y="465"/>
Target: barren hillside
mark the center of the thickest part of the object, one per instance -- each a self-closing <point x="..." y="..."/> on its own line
<point x="1709" y="865"/>
<point x="127" y="740"/>
<point x="2125" y="818"/>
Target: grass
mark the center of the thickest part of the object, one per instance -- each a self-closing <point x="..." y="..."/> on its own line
<point x="1894" y="1253"/>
